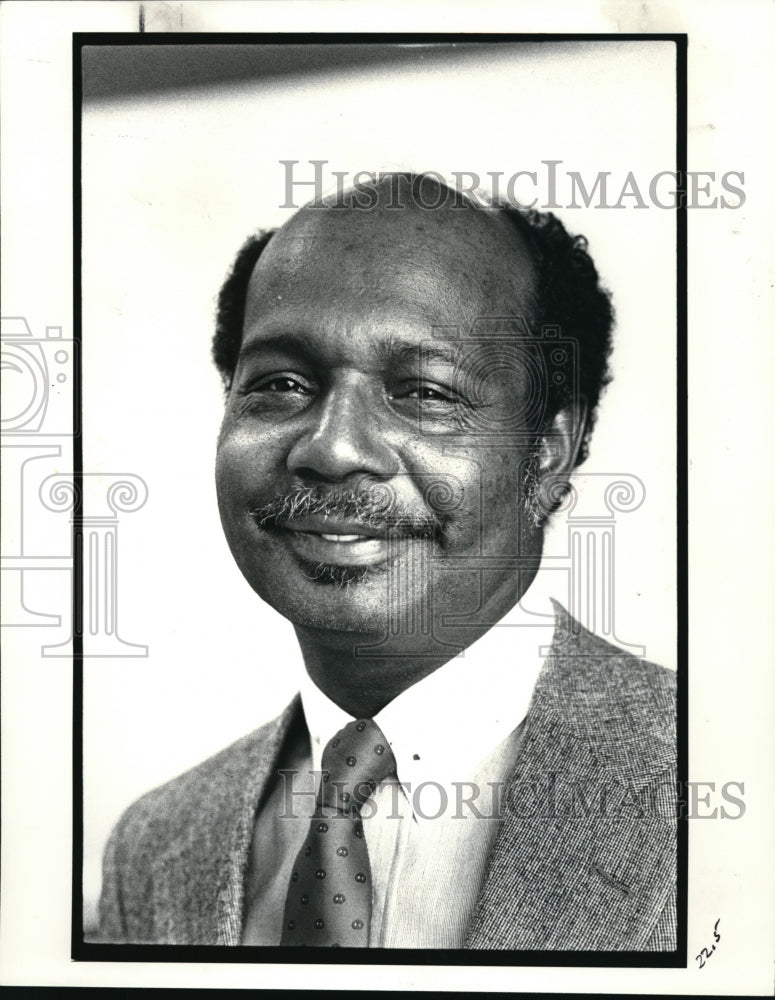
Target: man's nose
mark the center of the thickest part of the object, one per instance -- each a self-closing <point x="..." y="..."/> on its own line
<point x="345" y="437"/>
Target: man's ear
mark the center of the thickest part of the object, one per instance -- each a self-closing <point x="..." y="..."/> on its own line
<point x="561" y="442"/>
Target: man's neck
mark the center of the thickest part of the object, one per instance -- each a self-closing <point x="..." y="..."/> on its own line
<point x="362" y="682"/>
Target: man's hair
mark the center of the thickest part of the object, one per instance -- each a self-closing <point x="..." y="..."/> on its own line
<point x="569" y="297"/>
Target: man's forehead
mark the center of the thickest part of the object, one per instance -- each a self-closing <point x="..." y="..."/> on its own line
<point x="469" y="254"/>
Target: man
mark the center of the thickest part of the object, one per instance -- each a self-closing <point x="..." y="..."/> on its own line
<point x="401" y="416"/>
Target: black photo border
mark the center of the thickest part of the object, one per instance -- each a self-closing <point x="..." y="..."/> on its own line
<point x="83" y="951"/>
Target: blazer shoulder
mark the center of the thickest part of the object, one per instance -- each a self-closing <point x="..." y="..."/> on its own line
<point x="608" y="696"/>
<point x="594" y="667"/>
<point x="186" y="826"/>
<point x="203" y="792"/>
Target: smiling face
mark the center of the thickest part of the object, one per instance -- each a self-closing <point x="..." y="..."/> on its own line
<point x="371" y="465"/>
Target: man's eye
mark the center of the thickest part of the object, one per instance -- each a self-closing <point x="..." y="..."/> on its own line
<point x="430" y="394"/>
<point x="281" y="383"/>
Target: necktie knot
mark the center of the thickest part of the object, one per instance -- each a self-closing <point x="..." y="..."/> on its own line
<point x="354" y="762"/>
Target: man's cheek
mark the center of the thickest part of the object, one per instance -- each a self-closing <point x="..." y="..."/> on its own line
<point x="227" y="474"/>
<point x="490" y="514"/>
<point x="243" y="459"/>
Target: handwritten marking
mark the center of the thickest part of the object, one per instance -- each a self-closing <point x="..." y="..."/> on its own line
<point x="704" y="954"/>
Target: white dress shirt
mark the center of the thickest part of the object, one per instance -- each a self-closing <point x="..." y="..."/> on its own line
<point x="455" y="736"/>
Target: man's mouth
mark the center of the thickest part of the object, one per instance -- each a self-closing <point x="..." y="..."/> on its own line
<point x="342" y="538"/>
<point x="337" y="542"/>
<point x="334" y="529"/>
<point x="360" y="531"/>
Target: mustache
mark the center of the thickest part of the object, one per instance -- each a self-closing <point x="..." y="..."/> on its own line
<point x="375" y="507"/>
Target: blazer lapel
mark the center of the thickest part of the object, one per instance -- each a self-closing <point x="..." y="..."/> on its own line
<point x="582" y="860"/>
<point x="198" y="881"/>
<point x="231" y="895"/>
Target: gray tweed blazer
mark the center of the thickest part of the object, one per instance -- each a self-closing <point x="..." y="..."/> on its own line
<point x="585" y="857"/>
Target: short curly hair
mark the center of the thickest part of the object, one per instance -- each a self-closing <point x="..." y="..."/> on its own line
<point x="569" y="296"/>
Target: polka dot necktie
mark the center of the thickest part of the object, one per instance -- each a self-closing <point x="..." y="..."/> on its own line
<point x="330" y="895"/>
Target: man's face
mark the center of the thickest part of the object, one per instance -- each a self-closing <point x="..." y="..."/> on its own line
<point x="370" y="468"/>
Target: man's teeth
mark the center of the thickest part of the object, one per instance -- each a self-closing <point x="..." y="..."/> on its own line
<point x="342" y="538"/>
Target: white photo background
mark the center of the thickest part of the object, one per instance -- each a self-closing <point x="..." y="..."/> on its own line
<point x="173" y="181"/>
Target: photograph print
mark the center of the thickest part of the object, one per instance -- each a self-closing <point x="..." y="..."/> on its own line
<point x="380" y="348"/>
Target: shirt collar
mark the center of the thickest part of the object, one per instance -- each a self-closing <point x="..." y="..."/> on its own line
<point x="441" y="727"/>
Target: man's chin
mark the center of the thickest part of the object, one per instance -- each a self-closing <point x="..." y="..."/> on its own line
<point x="338" y="595"/>
<point x="344" y="577"/>
<point x="331" y="598"/>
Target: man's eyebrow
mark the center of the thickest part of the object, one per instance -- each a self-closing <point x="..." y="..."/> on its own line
<point x="390" y="351"/>
<point x="395" y="351"/>
<point x="296" y="343"/>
